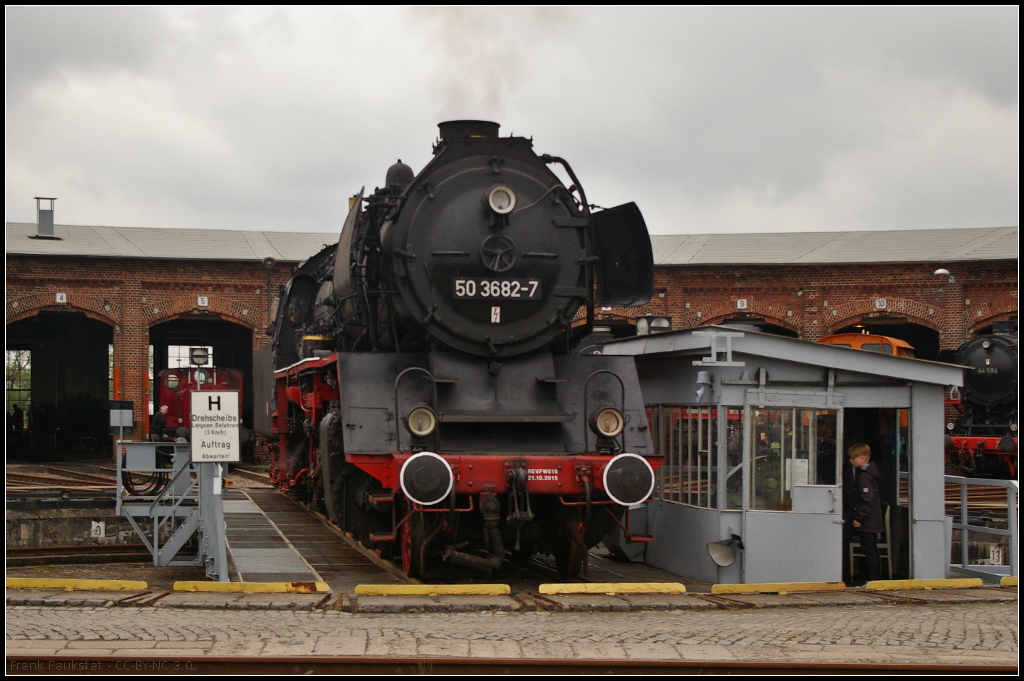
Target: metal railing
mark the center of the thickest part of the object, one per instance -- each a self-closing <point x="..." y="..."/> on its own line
<point x="987" y="572"/>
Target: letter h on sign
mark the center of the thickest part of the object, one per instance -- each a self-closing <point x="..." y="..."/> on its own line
<point x="214" y="401"/>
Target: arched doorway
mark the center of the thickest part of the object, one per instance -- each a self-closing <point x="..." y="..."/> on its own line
<point x="1010" y="325"/>
<point x="230" y="345"/>
<point x="759" y="324"/>
<point x="924" y="339"/>
<point x="63" y="384"/>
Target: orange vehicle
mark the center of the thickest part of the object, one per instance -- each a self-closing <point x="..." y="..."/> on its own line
<point x="870" y="342"/>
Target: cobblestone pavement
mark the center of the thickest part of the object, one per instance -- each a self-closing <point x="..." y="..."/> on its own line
<point x="970" y="634"/>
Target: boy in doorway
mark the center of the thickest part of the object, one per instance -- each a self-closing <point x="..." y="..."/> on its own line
<point x="866" y="518"/>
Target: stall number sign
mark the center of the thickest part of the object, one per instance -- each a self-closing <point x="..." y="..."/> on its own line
<point x="215" y="423"/>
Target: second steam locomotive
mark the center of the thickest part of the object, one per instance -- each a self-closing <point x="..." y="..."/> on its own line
<point x="984" y="439"/>
<point x="426" y="389"/>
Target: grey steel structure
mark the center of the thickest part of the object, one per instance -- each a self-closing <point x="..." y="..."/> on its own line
<point x="754" y="427"/>
<point x="176" y="507"/>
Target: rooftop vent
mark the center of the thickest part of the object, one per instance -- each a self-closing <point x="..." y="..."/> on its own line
<point x="44" y="223"/>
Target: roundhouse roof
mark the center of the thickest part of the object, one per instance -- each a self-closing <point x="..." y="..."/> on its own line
<point x="164" y="243"/>
<point x="811" y="248"/>
<point x="767" y="248"/>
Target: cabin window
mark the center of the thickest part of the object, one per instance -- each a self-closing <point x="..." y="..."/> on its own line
<point x="688" y="438"/>
<point x="791" y="446"/>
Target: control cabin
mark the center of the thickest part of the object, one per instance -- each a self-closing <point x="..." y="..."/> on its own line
<point x="754" y="430"/>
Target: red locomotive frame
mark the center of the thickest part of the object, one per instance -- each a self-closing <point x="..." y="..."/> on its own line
<point x="473" y="473"/>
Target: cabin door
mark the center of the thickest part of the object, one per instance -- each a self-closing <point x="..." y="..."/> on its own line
<point x="793" y="503"/>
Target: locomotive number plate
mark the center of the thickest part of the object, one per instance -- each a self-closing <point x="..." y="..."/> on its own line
<point x="528" y="289"/>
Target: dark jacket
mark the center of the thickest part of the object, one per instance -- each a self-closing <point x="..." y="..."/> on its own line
<point x="158" y="424"/>
<point x="868" y="508"/>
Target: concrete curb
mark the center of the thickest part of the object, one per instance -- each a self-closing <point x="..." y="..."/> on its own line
<point x="612" y="588"/>
<point x="433" y="590"/>
<point x="909" y="584"/>
<point x="76" y="584"/>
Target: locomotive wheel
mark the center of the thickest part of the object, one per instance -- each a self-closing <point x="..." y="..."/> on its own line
<point x="412" y="543"/>
<point x="570" y="554"/>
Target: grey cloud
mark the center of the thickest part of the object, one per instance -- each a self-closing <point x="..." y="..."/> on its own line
<point x="44" y="41"/>
<point x="709" y="118"/>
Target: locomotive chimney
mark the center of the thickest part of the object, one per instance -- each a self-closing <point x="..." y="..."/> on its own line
<point x="44" y="219"/>
<point x="468" y="129"/>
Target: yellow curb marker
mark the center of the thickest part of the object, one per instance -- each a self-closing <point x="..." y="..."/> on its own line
<point x="76" y="584"/>
<point x="433" y="590"/>
<point x="254" y="587"/>
<point x="927" y="584"/>
<point x="612" y="588"/>
<point x="1008" y="581"/>
<point x="780" y="588"/>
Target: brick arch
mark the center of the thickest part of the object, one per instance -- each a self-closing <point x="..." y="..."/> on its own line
<point x="846" y="314"/>
<point x="94" y="307"/>
<point x="715" y="313"/>
<point x="159" y="310"/>
<point x="983" y="314"/>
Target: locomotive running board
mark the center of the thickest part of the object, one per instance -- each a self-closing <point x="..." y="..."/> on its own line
<point x="491" y="417"/>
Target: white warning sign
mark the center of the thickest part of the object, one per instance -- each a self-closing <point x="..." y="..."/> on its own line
<point x="215" y="424"/>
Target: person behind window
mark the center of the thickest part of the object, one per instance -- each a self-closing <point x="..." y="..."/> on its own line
<point x="826" y="453"/>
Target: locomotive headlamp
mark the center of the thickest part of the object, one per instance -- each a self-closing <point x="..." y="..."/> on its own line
<point x="502" y="200"/>
<point x="628" y="479"/>
<point x="172" y="381"/>
<point x="607" y="422"/>
<point x="652" y="324"/>
<point x="426" y="478"/>
<point x="421" y="421"/>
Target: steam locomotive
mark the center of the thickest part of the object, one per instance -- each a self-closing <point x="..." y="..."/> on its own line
<point x="426" y="389"/>
<point x="984" y="440"/>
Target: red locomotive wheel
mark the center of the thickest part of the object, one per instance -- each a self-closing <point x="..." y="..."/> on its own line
<point x="411" y="539"/>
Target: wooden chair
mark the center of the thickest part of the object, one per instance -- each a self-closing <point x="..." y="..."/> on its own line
<point x="884" y="546"/>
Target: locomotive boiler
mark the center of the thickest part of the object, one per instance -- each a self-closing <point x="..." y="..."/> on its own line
<point x="426" y="389"/>
<point x="984" y="440"/>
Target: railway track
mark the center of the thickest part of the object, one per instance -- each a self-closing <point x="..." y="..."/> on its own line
<point x="982" y="502"/>
<point x="264" y="665"/>
<point x="76" y="555"/>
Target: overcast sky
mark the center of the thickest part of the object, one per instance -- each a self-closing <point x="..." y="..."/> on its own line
<point x="710" y="119"/>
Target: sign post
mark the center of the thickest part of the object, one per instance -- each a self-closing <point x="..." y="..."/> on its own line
<point x="215" y="425"/>
<point x="121" y="416"/>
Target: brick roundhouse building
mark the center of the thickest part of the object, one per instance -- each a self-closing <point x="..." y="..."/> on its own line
<point x="92" y="304"/>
